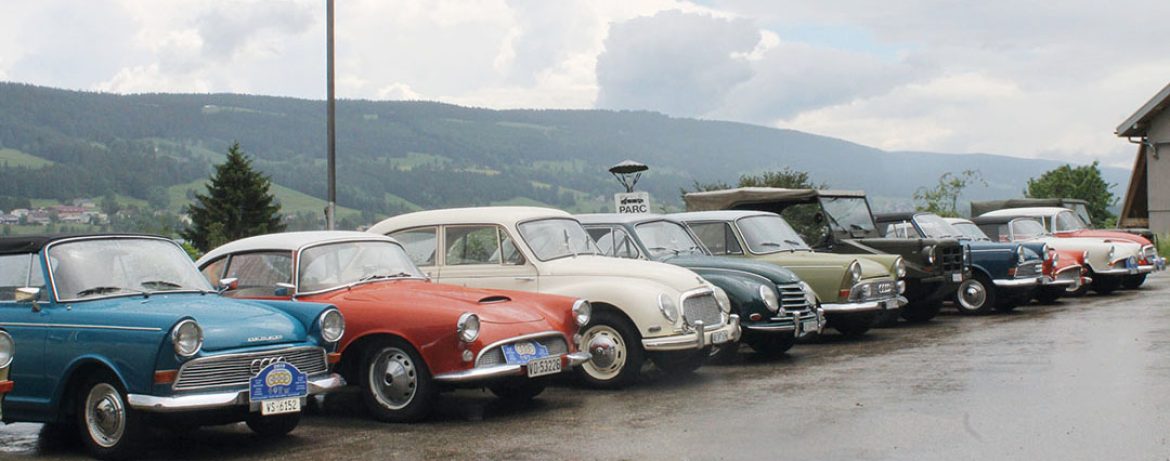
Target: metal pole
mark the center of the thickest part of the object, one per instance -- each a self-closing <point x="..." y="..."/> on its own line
<point x="331" y="130"/>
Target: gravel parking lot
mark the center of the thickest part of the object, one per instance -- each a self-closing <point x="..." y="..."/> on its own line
<point x="1086" y="379"/>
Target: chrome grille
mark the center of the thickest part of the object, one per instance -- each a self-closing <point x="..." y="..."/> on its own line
<point x="870" y="291"/>
<point x="951" y="258"/>
<point x="494" y="355"/>
<point x="237" y="369"/>
<point x="1071" y="274"/>
<point x="792" y="298"/>
<point x="1029" y="269"/>
<point x="702" y="307"/>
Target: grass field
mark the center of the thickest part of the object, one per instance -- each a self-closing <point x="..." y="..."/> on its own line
<point x="15" y="158"/>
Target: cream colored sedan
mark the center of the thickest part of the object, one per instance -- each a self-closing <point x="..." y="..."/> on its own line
<point x="641" y="309"/>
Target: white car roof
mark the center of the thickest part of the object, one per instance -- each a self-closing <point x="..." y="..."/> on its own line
<point x="1038" y="211"/>
<point x="499" y="215"/>
<point x="288" y="241"/>
<point x="716" y="215"/>
<point x="957" y="221"/>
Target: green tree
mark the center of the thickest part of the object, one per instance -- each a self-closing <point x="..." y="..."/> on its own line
<point x="943" y="198"/>
<point x="237" y="204"/>
<point x="1083" y="182"/>
<point x="110" y="204"/>
<point x="787" y="178"/>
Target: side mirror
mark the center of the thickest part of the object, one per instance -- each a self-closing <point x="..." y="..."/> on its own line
<point x="284" y="289"/>
<point x="231" y="283"/>
<point x="27" y="294"/>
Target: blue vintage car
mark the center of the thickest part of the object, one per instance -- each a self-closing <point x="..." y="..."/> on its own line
<point x="774" y="305"/>
<point x="1004" y="275"/>
<point x="122" y="332"/>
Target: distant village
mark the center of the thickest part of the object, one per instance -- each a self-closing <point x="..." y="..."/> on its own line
<point x="79" y="211"/>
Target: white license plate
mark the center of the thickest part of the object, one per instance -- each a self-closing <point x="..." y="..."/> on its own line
<point x="956" y="277"/>
<point x="544" y="366"/>
<point x="809" y="325"/>
<point x="280" y="406"/>
<point x="719" y="337"/>
<point x="1133" y="270"/>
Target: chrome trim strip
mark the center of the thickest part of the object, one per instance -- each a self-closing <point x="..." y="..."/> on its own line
<point x="68" y="325"/>
<point x="499" y="371"/>
<point x="218" y="358"/>
<point x="691" y="340"/>
<point x="517" y="338"/>
<point x="1010" y="283"/>
<point x="195" y="402"/>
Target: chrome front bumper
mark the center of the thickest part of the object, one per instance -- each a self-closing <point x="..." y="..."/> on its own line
<point x="884" y="304"/>
<point x="196" y="402"/>
<point x="796" y="325"/>
<point x="1024" y="282"/>
<point x="697" y="339"/>
<point x="500" y="371"/>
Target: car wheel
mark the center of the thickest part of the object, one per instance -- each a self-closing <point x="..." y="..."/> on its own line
<point x="396" y="384"/>
<point x="854" y="325"/>
<point x="273" y="426"/>
<point x="681" y="362"/>
<point x="773" y="345"/>
<point x="617" y="352"/>
<point x="1133" y="282"/>
<point x="922" y="311"/>
<point x="1106" y="285"/>
<point x="108" y="427"/>
<point x="975" y="296"/>
<point x="518" y="390"/>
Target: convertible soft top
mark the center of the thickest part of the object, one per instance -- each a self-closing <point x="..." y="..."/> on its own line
<point x="740" y="197"/>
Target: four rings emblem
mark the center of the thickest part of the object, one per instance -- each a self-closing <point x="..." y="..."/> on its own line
<point x="260" y="364"/>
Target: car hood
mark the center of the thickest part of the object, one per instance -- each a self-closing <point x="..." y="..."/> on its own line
<point x="676" y="277"/>
<point x="490" y="306"/>
<point x="1111" y="235"/>
<point x="227" y="323"/>
<point x="811" y="260"/>
<point x="777" y="274"/>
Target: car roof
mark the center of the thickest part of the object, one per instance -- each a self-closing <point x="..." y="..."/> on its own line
<point x="23" y="244"/>
<point x="958" y="221"/>
<point x="620" y="218"/>
<point x="717" y="215"/>
<point x="733" y="198"/>
<point x="999" y="219"/>
<point x="500" y="215"/>
<point x="288" y="241"/>
<point x="1035" y="211"/>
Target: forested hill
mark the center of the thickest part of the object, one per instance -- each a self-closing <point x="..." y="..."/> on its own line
<point x="396" y="156"/>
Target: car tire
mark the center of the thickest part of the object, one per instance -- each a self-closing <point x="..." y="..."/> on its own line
<point x="773" y="345"/>
<point x="1133" y="282"/>
<point x="518" y="390"/>
<point x="854" y="325"/>
<point x="1106" y="285"/>
<point x="921" y="312"/>
<point x="628" y="356"/>
<point x="681" y="362"/>
<point x="396" y="384"/>
<point x="109" y="429"/>
<point x="272" y="426"/>
<point x="976" y="296"/>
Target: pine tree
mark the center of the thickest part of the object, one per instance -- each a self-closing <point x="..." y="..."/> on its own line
<point x="237" y="204"/>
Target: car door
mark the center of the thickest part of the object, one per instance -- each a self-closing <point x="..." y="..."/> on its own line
<point x="28" y="323"/>
<point x="484" y="256"/>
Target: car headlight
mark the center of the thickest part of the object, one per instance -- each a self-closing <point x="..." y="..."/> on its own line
<point x="900" y="267"/>
<point x="467" y="327"/>
<point x="1020" y="255"/>
<point x="668" y="308"/>
<point x="332" y="326"/>
<point x="1112" y="252"/>
<point x="7" y="349"/>
<point x="722" y="299"/>
<point x="187" y="338"/>
<point x="768" y="294"/>
<point x="810" y="296"/>
<point x="855" y="272"/>
<point x="929" y="254"/>
<point x="582" y="311"/>
<point x="1055" y="258"/>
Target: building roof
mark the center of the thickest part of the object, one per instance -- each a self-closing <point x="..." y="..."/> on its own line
<point x="288" y="241"/>
<point x="741" y="196"/>
<point x="1139" y="122"/>
<point x="499" y="215"/>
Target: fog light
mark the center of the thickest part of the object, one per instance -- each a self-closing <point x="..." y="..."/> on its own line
<point x="467" y="355"/>
<point x="755" y="317"/>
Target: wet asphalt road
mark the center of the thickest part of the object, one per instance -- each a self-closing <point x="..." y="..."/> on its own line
<point x="1085" y="379"/>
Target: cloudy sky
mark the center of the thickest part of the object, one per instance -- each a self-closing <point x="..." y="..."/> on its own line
<point x="1025" y="78"/>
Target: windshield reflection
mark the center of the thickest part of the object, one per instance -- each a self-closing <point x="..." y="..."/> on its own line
<point x="557" y="238"/>
<point x="664" y="239"/>
<point x="848" y="214"/>
<point x="971" y="231"/>
<point x="770" y="234"/>
<point x="119" y="267"/>
<point x="934" y="226"/>
<point x="340" y="264"/>
<point x="1027" y="229"/>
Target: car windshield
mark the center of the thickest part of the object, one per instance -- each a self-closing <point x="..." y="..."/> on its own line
<point x="770" y="234"/>
<point x="1066" y="221"/>
<point x="557" y="238"/>
<point x="848" y="214"/>
<point x="1082" y="212"/>
<point x="971" y="231"/>
<point x="106" y="267"/>
<point x="665" y="238"/>
<point x="935" y="227"/>
<point x="340" y="264"/>
<point x="1027" y="229"/>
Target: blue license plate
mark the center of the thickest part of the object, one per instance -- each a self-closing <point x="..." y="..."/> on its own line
<point x="520" y="353"/>
<point x="278" y="381"/>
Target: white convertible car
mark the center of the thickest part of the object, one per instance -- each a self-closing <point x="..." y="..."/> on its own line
<point x="641" y="309"/>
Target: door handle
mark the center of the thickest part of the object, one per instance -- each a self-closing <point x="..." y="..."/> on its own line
<point x="526" y="279"/>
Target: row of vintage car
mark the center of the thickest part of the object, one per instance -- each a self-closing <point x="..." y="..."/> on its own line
<point x="117" y="333"/>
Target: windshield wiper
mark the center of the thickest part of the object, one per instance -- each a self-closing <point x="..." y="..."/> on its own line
<point x="108" y="289"/>
<point x="158" y="285"/>
<point x="673" y="250"/>
<point x="385" y="276"/>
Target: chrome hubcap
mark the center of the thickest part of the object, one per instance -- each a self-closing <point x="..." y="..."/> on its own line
<point x="608" y="352"/>
<point x="394" y="378"/>
<point x="105" y="415"/>
<point x="972" y="294"/>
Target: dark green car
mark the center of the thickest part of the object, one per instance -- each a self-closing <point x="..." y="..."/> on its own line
<point x="775" y="306"/>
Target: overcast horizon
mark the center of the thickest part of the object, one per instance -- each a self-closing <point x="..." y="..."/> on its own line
<point x="1024" y="80"/>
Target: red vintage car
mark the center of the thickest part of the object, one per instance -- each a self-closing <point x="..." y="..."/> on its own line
<point x="407" y="338"/>
<point x="1064" y="274"/>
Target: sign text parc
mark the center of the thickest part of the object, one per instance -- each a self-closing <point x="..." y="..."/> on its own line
<point x="632" y="202"/>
